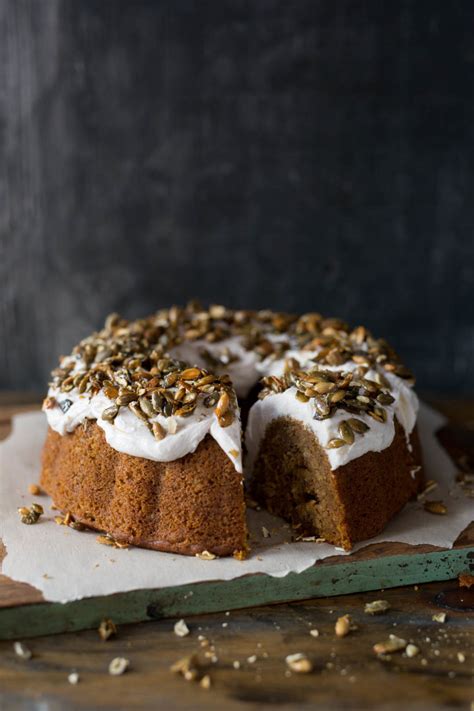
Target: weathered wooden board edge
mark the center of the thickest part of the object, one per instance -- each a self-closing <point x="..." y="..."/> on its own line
<point x="247" y="591"/>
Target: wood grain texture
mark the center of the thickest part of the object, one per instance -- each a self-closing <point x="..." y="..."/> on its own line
<point x="309" y="155"/>
<point x="346" y="675"/>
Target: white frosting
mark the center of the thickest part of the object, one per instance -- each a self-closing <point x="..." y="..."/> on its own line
<point x="378" y="437"/>
<point x="130" y="435"/>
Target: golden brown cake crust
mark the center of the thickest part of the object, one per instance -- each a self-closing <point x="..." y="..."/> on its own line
<point x="293" y="479"/>
<point x="187" y="506"/>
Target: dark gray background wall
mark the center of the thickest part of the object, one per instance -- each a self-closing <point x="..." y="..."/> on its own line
<point x="305" y="155"/>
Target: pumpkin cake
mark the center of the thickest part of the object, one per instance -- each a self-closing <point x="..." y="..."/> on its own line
<point x="144" y="437"/>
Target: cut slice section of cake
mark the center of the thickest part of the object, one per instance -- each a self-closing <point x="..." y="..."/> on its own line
<point x="335" y="452"/>
<point x="190" y="505"/>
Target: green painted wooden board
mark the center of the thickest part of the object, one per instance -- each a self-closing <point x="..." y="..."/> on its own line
<point x="378" y="566"/>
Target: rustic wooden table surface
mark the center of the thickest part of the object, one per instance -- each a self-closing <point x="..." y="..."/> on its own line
<point x="346" y="672"/>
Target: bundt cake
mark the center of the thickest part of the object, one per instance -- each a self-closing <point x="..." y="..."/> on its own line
<point x="144" y="439"/>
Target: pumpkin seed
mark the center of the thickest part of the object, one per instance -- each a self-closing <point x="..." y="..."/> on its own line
<point x="335" y="357"/>
<point x="370" y="385"/>
<point x="158" y="430"/>
<point x="385" y="399"/>
<point x="110" y="413"/>
<point x="301" y="396"/>
<point x="223" y="404"/>
<point x="171" y="379"/>
<point x="190" y="397"/>
<point x="335" y="443"/>
<point x="206" y="380"/>
<point x="226" y="419"/>
<point x="403" y="372"/>
<point x="352" y="404"/>
<point x="146" y="406"/>
<point x="322" y="408"/>
<point x="190" y="374"/>
<point x="136" y="409"/>
<point x="357" y="425"/>
<point x="346" y="432"/>
<point x="179" y="395"/>
<point x="157" y="401"/>
<point x="291" y="364"/>
<point x="185" y="411"/>
<point x="323" y="388"/>
<point x="82" y="387"/>
<point x="167" y="409"/>
<point x="125" y="399"/>
<point x="378" y="414"/>
<point x="435" y="507"/>
<point x="362" y="359"/>
<point x="382" y="380"/>
<point x="318" y="377"/>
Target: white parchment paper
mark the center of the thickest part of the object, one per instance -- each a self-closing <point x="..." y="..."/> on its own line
<point x="68" y="565"/>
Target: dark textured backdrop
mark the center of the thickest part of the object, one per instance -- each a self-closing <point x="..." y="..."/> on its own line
<point x="297" y="155"/>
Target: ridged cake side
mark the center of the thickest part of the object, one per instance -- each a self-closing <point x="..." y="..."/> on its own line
<point x="187" y="506"/>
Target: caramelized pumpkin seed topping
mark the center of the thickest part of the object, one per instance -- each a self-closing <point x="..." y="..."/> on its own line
<point x="128" y="361"/>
